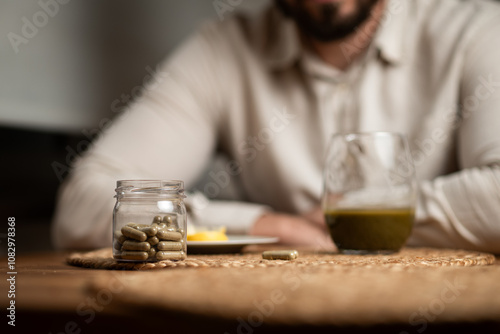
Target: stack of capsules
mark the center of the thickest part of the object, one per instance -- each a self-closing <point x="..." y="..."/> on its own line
<point x="162" y="240"/>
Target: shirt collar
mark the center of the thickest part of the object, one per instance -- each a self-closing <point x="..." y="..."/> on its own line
<point x="281" y="45"/>
<point x="390" y="37"/>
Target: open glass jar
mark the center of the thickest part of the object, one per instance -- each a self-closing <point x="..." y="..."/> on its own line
<point x="149" y="221"/>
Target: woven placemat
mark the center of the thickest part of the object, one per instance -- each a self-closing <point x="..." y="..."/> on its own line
<point x="408" y="257"/>
<point x="411" y="294"/>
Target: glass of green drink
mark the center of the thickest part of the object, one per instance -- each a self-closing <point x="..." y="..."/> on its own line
<point x="369" y="192"/>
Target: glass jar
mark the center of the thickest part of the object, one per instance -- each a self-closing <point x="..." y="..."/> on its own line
<point x="149" y="221"/>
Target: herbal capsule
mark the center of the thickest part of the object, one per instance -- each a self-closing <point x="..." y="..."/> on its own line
<point x="137" y="256"/>
<point x="149" y="230"/>
<point x="280" y="255"/>
<point x="136" y="245"/>
<point x="171" y="221"/>
<point x="152" y="253"/>
<point x="132" y="233"/>
<point x="169" y="246"/>
<point x="153" y="240"/>
<point x="157" y="220"/>
<point x="117" y="245"/>
<point x="169" y="235"/>
<point x="134" y="225"/>
<point x="174" y="256"/>
<point x="120" y="237"/>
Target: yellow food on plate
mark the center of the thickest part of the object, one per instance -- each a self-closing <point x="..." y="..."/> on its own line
<point x="218" y="235"/>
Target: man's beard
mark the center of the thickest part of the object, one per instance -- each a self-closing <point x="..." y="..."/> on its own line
<point x="328" y="27"/>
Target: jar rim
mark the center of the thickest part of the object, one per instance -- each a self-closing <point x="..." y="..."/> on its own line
<point x="146" y="183"/>
<point x="150" y="187"/>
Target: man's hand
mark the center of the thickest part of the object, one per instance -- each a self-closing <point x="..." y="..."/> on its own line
<point x="317" y="217"/>
<point x="307" y="230"/>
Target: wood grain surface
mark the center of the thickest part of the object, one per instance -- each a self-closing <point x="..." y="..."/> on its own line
<point x="53" y="297"/>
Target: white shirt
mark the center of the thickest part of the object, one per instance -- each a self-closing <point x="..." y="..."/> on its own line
<point x="246" y="87"/>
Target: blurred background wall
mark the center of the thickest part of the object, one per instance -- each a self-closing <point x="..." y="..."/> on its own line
<point x="64" y="66"/>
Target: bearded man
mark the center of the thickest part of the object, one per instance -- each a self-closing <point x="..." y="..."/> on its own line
<point x="269" y="90"/>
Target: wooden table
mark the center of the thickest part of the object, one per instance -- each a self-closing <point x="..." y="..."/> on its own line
<point x="52" y="297"/>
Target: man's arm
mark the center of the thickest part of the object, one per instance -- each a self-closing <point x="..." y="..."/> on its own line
<point x="462" y="210"/>
<point x="169" y="133"/>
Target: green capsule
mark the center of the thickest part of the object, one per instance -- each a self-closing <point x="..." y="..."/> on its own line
<point x="133" y="233"/>
<point x="162" y="226"/>
<point x="149" y="230"/>
<point x="153" y="240"/>
<point x="151" y="253"/>
<point x="171" y="221"/>
<point x="280" y="255"/>
<point x="120" y="237"/>
<point x="173" y="256"/>
<point x="117" y="245"/>
<point x="136" y="256"/>
<point x="136" y="246"/>
<point x="169" y="235"/>
<point x="169" y="246"/>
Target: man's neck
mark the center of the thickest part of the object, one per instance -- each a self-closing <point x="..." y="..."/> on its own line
<point x="342" y="53"/>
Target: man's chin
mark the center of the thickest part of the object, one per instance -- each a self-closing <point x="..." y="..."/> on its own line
<point x="325" y="1"/>
<point x="324" y="22"/>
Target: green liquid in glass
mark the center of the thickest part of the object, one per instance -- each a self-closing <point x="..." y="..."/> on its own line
<point x="370" y="231"/>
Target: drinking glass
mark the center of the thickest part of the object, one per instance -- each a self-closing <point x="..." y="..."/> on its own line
<point x="369" y="192"/>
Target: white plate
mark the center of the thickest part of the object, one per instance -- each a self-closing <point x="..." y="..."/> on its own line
<point x="234" y="245"/>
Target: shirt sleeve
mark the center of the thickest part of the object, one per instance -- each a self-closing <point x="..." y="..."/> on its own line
<point x="462" y="210"/>
<point x="169" y="133"/>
